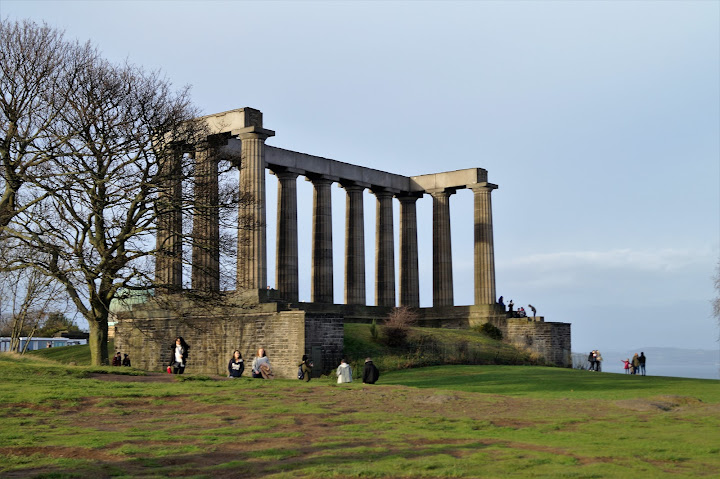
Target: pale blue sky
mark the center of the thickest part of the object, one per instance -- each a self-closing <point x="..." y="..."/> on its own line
<point x="598" y="120"/>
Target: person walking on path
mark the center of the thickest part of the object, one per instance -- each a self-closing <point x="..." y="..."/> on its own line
<point x="305" y="368"/>
<point x="370" y="373"/>
<point x="635" y="364"/>
<point x="641" y="359"/>
<point x="179" y="354"/>
<point x="344" y="372"/>
<point x="261" y="365"/>
<point x="236" y="366"/>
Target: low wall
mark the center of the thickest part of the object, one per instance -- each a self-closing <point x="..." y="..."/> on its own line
<point x="214" y="330"/>
<point x="550" y="341"/>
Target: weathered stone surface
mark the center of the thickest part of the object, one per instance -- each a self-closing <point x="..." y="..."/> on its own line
<point x="354" y="245"/>
<point x="286" y="254"/>
<point x="442" y="250"/>
<point x="409" y="276"/>
<point x="321" y="288"/>
<point x="384" y="250"/>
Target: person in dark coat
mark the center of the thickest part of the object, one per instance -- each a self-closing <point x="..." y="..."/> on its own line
<point x="641" y="359"/>
<point x="126" y="360"/>
<point x="306" y="367"/>
<point x="370" y="373"/>
<point x="236" y="366"/>
<point x="179" y="355"/>
<point x="117" y="360"/>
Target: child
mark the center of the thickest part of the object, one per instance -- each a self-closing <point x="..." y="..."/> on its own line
<point x="626" y="366"/>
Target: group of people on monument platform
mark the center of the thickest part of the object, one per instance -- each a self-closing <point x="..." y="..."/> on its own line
<point x="636" y="365"/>
<point x="261" y="367"/>
<point x="520" y="312"/>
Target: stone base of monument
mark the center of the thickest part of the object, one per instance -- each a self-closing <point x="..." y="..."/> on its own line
<point x="214" y="326"/>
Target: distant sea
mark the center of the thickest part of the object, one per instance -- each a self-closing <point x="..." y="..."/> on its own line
<point x="676" y="362"/>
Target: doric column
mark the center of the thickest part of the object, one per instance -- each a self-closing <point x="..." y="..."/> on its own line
<point x="442" y="252"/>
<point x="484" y="249"/>
<point x="206" y="223"/>
<point x="286" y="271"/>
<point x="409" y="278"/>
<point x="252" y="242"/>
<point x="354" y="245"/>
<point x="321" y="287"/>
<point x="384" y="250"/>
<point x="168" y="257"/>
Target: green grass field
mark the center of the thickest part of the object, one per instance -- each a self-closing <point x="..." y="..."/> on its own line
<point x="61" y="421"/>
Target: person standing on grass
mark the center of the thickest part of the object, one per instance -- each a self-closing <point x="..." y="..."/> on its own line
<point x="641" y="360"/>
<point x="591" y="360"/>
<point x="635" y="364"/>
<point x="344" y="372"/>
<point x="179" y="355"/>
<point x="117" y="359"/>
<point x="236" y="366"/>
<point x="370" y="373"/>
<point x="626" y="365"/>
<point x="261" y="365"/>
<point x="305" y="368"/>
<point x="598" y="361"/>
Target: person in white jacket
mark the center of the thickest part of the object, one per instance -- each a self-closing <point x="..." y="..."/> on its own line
<point x="344" y="372"/>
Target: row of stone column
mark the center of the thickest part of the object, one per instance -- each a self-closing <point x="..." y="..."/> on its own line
<point x="252" y="250"/>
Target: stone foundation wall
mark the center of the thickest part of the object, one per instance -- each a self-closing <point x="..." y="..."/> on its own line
<point x="551" y="341"/>
<point x="324" y="336"/>
<point x="214" y="332"/>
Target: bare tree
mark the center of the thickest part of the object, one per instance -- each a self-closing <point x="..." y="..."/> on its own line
<point x="25" y="297"/>
<point x="92" y="228"/>
<point x="37" y="66"/>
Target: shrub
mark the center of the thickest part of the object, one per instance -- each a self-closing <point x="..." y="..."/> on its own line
<point x="374" y="330"/>
<point x="491" y="331"/>
<point x="397" y="325"/>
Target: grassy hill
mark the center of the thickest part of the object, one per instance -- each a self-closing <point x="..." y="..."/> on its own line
<point x="429" y="347"/>
<point x="460" y="421"/>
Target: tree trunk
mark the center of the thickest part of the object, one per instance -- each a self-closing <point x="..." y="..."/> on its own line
<point x="99" y="342"/>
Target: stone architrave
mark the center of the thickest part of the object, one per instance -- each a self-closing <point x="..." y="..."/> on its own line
<point x="321" y="286"/>
<point x="206" y="223"/>
<point x="442" y="251"/>
<point x="252" y="237"/>
<point x="354" y="245"/>
<point x="484" y="248"/>
<point x="384" y="250"/>
<point x="168" y="258"/>
<point x="286" y="271"/>
<point x="409" y="277"/>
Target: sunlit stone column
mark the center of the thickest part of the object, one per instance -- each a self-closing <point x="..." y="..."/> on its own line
<point x="484" y="248"/>
<point x="206" y="223"/>
<point x="321" y="286"/>
<point x="409" y="278"/>
<point x="168" y="257"/>
<point x="252" y="242"/>
<point x="286" y="271"/>
<point x="442" y="251"/>
<point x="384" y="250"/>
<point x="354" y="245"/>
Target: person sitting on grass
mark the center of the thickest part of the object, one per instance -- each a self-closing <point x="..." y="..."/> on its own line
<point x="261" y="366"/>
<point x="126" y="360"/>
<point x="371" y="373"/>
<point x="344" y="372"/>
<point x="117" y="360"/>
<point x="236" y="366"/>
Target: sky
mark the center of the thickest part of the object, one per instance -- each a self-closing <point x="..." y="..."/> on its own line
<point x="599" y="121"/>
